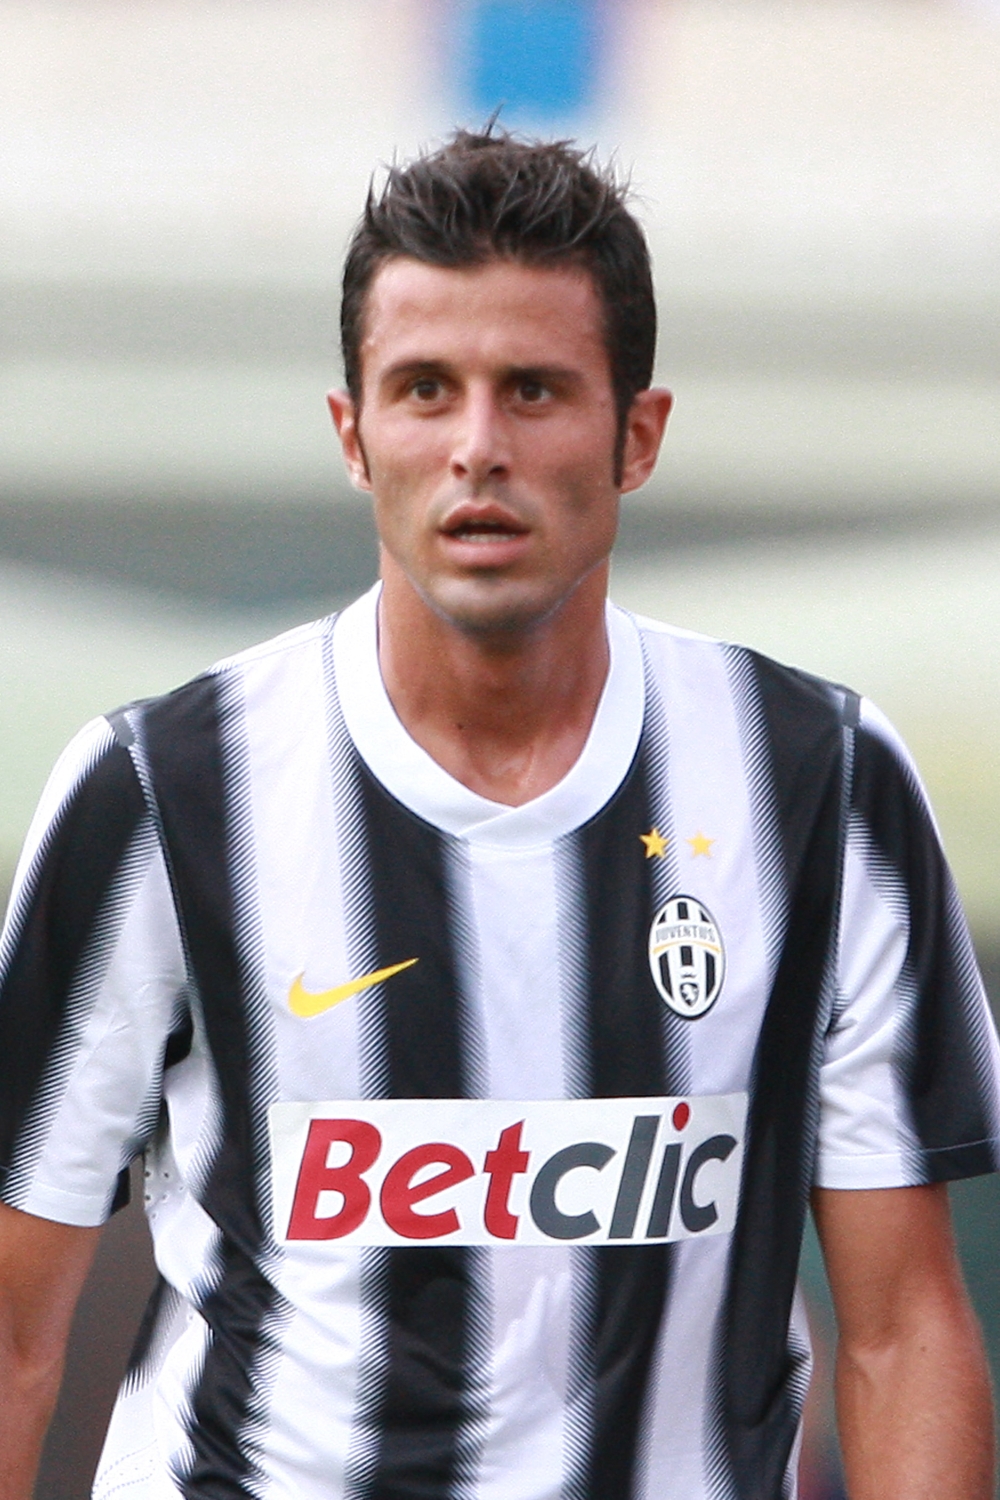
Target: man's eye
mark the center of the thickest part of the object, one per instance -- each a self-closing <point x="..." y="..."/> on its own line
<point x="426" y="389"/>
<point x="532" y="391"/>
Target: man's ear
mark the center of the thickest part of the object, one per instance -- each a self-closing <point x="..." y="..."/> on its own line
<point x="644" y="428"/>
<point x="345" y="419"/>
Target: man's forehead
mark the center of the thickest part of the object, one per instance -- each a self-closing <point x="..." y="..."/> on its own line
<point x="413" y="299"/>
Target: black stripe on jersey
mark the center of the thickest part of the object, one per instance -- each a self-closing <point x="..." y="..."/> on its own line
<point x="626" y="1056"/>
<point x="759" y="1374"/>
<point x="181" y="738"/>
<point x="426" y="1402"/>
<point x="181" y="741"/>
<point x="624" y="1011"/>
<point x="947" y="1066"/>
<point x="82" y="856"/>
<point x="423" y="1028"/>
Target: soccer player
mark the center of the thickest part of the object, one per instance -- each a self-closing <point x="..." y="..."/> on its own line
<point x="490" y="977"/>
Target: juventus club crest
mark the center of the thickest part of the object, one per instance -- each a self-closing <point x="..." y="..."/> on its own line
<point x="686" y="957"/>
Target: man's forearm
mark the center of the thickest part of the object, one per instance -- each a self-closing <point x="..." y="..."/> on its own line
<point x="913" y="1391"/>
<point x="916" y="1413"/>
<point x="42" y="1268"/>
<point x="27" y="1398"/>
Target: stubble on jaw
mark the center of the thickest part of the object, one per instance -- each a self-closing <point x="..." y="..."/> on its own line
<point x="503" y="629"/>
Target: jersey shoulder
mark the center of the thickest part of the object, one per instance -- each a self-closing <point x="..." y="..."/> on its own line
<point x="785" y="690"/>
<point x="199" y="705"/>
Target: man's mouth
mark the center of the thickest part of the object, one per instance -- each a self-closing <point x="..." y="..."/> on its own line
<point x="492" y="526"/>
<point x="484" y="531"/>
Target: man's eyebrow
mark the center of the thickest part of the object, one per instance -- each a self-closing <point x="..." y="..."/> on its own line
<point x="407" y="368"/>
<point x="545" y="374"/>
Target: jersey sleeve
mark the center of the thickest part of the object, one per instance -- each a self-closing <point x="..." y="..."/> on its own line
<point x="92" y="981"/>
<point x="909" y="1081"/>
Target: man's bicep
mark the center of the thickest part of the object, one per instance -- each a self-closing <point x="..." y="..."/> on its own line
<point x="890" y="1258"/>
<point x="43" y="1266"/>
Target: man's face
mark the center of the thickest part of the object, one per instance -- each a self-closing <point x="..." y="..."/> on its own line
<point x="486" y="436"/>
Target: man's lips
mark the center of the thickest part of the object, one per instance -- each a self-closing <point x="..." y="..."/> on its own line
<point x="483" y="526"/>
<point x="482" y="532"/>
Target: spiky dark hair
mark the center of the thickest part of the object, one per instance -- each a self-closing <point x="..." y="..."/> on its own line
<point x="491" y="195"/>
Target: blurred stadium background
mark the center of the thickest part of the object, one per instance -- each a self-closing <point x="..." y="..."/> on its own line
<point x="820" y="181"/>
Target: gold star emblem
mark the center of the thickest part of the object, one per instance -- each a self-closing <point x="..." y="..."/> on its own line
<point x="656" y="844"/>
<point x="700" y="845"/>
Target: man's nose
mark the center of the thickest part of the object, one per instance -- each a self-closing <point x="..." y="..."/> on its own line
<point x="481" y="448"/>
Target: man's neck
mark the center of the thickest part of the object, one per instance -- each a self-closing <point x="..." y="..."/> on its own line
<point x="506" y="717"/>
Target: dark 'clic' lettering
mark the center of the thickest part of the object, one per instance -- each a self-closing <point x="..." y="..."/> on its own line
<point x="700" y="1216"/>
<point x="550" y="1219"/>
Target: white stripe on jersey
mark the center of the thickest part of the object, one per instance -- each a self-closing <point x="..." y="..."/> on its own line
<point x="862" y="1113"/>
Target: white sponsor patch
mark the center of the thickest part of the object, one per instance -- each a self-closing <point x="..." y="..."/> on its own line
<point x="492" y="1172"/>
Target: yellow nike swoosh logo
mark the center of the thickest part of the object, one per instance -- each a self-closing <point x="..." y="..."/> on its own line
<point x="302" y="1003"/>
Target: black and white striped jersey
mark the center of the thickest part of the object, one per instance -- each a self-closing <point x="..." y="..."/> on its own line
<point x="479" y="1138"/>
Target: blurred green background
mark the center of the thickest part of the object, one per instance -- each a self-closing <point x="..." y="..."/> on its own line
<point x="820" y="182"/>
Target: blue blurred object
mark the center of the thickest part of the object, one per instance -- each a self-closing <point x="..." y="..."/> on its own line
<point x="538" y="59"/>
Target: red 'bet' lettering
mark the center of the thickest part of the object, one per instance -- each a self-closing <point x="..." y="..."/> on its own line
<point x="315" y="1177"/>
<point x="503" y="1164"/>
<point x="400" y="1192"/>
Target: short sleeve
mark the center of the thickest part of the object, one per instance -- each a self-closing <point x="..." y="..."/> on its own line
<point x="909" y="1079"/>
<point x="92" y="981"/>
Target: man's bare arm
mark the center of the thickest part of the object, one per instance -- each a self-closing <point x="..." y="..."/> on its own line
<point x="42" y="1268"/>
<point x="914" y="1406"/>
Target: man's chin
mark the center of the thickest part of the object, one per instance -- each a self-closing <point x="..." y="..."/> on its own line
<point x="501" y="614"/>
